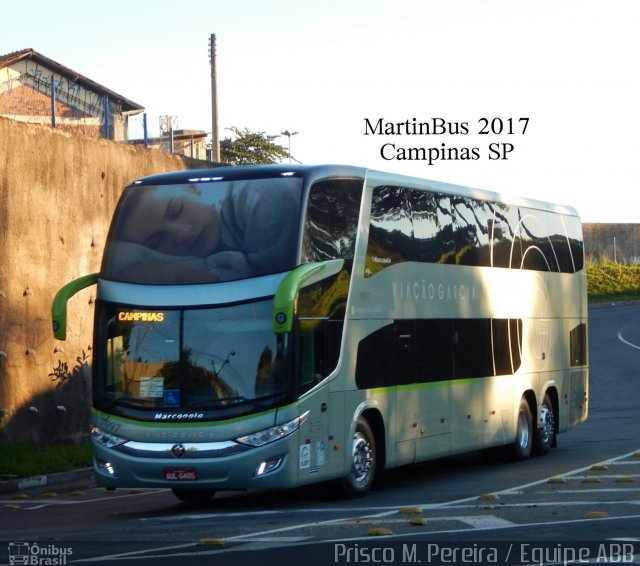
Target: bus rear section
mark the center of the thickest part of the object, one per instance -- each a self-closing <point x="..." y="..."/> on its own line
<point x="468" y="319"/>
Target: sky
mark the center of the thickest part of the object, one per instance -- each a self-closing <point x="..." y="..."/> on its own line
<point x="556" y="82"/>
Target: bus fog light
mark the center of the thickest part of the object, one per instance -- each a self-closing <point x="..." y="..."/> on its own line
<point x="106" y="467"/>
<point x="267" y="466"/>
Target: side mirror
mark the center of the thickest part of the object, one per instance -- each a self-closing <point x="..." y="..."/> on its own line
<point x="59" y="308"/>
<point x="285" y="298"/>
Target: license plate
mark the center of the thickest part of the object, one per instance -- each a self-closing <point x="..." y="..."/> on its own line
<point x="180" y="474"/>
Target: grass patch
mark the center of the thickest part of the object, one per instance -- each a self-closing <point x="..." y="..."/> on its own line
<point x="24" y="459"/>
<point x="613" y="281"/>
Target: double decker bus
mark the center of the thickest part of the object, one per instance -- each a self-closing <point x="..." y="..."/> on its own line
<point x="274" y="326"/>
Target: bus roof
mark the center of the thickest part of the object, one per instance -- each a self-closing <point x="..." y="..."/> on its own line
<point x="249" y="172"/>
<point x="317" y="172"/>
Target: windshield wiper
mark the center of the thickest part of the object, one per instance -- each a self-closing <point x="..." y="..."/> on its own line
<point x="269" y="396"/>
<point x="117" y="402"/>
<point x="218" y="401"/>
<point x="234" y="400"/>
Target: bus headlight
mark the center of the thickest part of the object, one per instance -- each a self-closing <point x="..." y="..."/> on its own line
<point x="105" y="439"/>
<point x="274" y="433"/>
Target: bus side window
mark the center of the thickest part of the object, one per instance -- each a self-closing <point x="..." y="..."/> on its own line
<point x="450" y="229"/>
<point x="320" y="312"/>
<point x="331" y="222"/>
<point x="390" y="231"/>
<point x="432" y="224"/>
<point x="565" y="233"/>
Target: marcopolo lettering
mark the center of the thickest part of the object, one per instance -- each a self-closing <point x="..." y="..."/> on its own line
<point x="178" y="416"/>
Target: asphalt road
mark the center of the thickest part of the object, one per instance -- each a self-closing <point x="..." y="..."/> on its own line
<point x="580" y="501"/>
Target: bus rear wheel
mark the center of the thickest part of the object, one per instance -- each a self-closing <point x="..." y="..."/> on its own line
<point x="364" y="461"/>
<point x="523" y="444"/>
<point x="545" y="436"/>
<point x="194" y="496"/>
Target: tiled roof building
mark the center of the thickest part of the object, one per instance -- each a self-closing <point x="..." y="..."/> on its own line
<point x="80" y="105"/>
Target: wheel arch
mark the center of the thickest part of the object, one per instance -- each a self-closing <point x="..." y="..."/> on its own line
<point x="530" y="396"/>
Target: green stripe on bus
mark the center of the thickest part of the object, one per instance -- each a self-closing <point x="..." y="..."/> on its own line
<point x="179" y="424"/>
<point x="425" y="385"/>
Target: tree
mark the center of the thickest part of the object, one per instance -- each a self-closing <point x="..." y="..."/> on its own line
<point x="251" y="148"/>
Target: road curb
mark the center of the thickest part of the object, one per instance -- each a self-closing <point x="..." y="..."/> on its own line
<point x="613" y="303"/>
<point x="18" y="484"/>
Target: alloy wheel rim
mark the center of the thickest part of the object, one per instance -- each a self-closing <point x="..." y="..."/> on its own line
<point x="362" y="458"/>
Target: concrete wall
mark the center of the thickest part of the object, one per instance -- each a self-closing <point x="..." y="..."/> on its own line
<point x="57" y="194"/>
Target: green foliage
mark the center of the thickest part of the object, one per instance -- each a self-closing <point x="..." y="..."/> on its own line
<point x="251" y="148"/>
<point x="607" y="281"/>
<point x="24" y="459"/>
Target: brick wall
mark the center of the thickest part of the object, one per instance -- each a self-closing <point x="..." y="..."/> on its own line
<point x="27" y="104"/>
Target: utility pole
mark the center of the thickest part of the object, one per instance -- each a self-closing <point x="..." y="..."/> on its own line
<point x="215" y="136"/>
<point x="289" y="134"/>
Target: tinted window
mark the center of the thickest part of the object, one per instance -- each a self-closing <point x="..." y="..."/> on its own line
<point x="532" y="238"/>
<point x="390" y="231"/>
<point x="320" y="313"/>
<point x="419" y="225"/>
<point x="506" y="250"/>
<point x="421" y="351"/>
<point x="573" y="231"/>
<point x="434" y="240"/>
<point x="331" y="222"/>
<point x="170" y="359"/>
<point x="204" y="232"/>
<point x="578" y="345"/>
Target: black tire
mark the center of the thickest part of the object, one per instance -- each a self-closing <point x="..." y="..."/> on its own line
<point x="545" y="436"/>
<point x="523" y="445"/>
<point x="194" y="496"/>
<point x="364" y="461"/>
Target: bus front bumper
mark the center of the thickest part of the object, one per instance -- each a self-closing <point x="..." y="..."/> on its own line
<point x="219" y="466"/>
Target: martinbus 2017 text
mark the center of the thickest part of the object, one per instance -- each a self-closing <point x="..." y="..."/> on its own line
<point x="438" y="127"/>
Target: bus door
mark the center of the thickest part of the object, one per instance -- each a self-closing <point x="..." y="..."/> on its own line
<point x="314" y="454"/>
<point x="314" y="297"/>
<point x="404" y="402"/>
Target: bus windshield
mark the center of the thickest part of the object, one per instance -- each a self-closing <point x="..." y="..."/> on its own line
<point x="189" y="359"/>
<point x="204" y="232"/>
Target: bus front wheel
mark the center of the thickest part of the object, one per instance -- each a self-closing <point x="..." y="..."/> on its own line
<point x="524" y="432"/>
<point x="363" y="461"/>
<point x="194" y="496"/>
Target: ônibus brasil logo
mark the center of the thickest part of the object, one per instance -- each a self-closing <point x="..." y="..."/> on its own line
<point x="38" y="554"/>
